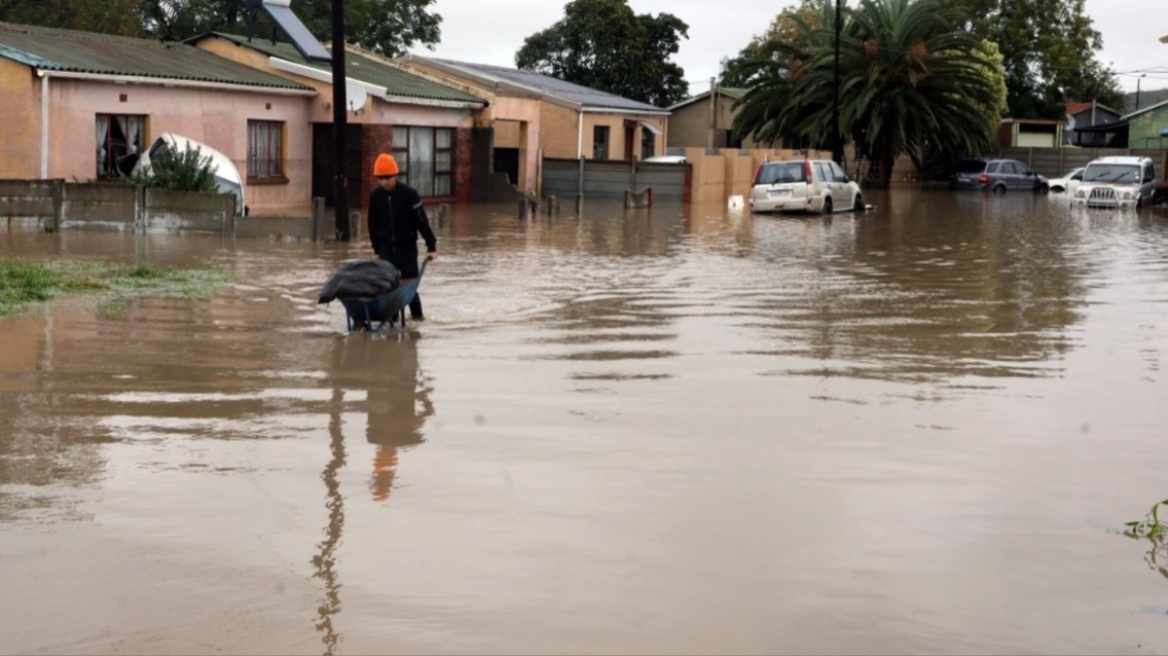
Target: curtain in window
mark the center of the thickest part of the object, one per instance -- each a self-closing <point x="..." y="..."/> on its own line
<point x="101" y="135"/>
<point x="422" y="161"/>
<point x="132" y="128"/>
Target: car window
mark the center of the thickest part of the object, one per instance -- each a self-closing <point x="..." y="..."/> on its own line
<point x="1149" y="172"/>
<point x="970" y="166"/>
<point x="781" y="172"/>
<point x="1007" y="168"/>
<point x="1125" y="173"/>
<point x="1021" y="168"/>
<point x="1077" y="174"/>
<point x="823" y="172"/>
<point x="839" y="174"/>
<point x="992" y="167"/>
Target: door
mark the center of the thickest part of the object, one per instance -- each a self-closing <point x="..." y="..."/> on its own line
<point x="322" y="165"/>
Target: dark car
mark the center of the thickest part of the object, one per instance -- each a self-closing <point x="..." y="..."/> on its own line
<point x="996" y="175"/>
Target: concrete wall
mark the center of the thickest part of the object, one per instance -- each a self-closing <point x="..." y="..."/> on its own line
<point x="56" y="204"/>
<point x="721" y="173"/>
<point x="564" y="178"/>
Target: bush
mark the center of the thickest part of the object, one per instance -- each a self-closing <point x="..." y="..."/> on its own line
<point x="189" y="170"/>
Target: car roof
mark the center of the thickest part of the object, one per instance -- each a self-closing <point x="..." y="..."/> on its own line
<point x="1121" y="159"/>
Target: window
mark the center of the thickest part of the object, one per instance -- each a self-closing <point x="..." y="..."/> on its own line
<point x="425" y="159"/>
<point x="648" y="143"/>
<point x="600" y="142"/>
<point x="265" y="150"/>
<point x="118" y="135"/>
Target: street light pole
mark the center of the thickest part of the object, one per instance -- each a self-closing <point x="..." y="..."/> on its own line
<point x="340" y="101"/>
<point x="1138" y="80"/>
<point x="837" y="146"/>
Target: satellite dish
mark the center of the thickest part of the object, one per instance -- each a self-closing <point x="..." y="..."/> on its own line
<point x="355" y="95"/>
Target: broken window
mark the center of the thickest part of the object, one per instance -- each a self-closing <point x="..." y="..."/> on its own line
<point x="117" y="135"/>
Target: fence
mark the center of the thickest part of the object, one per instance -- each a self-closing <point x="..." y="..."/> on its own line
<point x="1053" y="162"/>
<point x="59" y="205"/>
<point x="611" y="179"/>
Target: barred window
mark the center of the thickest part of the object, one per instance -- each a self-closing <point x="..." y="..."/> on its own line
<point x="265" y="149"/>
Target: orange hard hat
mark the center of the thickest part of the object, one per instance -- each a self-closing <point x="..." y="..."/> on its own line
<point x="385" y="166"/>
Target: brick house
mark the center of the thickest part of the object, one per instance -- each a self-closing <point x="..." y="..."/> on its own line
<point x="76" y="102"/>
<point x="427" y="125"/>
<point x="570" y="121"/>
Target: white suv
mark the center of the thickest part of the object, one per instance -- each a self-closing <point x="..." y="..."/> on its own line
<point x="1117" y="182"/>
<point x="813" y="185"/>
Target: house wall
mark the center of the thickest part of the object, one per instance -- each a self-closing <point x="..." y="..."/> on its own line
<point x="689" y="126"/>
<point x="617" y="136"/>
<point x="1144" y="130"/>
<point x="217" y="118"/>
<point x="20" y="147"/>
<point x="559" y="130"/>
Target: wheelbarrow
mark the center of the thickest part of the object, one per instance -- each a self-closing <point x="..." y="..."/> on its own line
<point x="374" y="314"/>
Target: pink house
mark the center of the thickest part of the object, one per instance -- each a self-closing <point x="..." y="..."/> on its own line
<point x="75" y="102"/>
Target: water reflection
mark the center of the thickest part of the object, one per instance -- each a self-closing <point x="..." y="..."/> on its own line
<point x="385" y="374"/>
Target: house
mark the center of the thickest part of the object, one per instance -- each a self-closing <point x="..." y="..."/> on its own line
<point x="1147" y="127"/>
<point x="428" y="125"/>
<point x="1033" y="133"/>
<point x="75" y="102"/>
<point x="706" y="120"/>
<point x="530" y="112"/>
<point x="1091" y="125"/>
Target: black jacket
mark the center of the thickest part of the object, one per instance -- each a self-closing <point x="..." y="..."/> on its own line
<point x="395" y="219"/>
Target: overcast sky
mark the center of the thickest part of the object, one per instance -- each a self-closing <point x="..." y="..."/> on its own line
<point x="492" y="32"/>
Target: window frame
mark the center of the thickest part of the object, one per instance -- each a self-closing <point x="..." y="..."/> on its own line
<point x="266" y="168"/>
<point x="110" y="157"/>
<point x="648" y="143"/>
<point x="438" y="170"/>
<point x="601" y="146"/>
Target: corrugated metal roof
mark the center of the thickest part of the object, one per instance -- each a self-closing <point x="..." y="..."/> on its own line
<point x="584" y="96"/>
<point x="55" y="49"/>
<point x="730" y="92"/>
<point x="365" y="69"/>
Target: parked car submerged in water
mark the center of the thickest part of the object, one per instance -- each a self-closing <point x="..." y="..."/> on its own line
<point x="811" y="185"/>
<point x="1117" y="182"/>
<point x="1068" y="182"/>
<point x="996" y="175"/>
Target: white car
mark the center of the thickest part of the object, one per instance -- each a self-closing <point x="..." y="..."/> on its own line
<point x="813" y="185"/>
<point x="227" y="177"/>
<point x="1117" y="182"/>
<point x="1069" y="181"/>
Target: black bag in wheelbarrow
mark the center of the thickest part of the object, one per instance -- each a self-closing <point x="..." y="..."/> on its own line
<point x="363" y="279"/>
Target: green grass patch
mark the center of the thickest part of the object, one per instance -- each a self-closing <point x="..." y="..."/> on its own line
<point x="25" y="283"/>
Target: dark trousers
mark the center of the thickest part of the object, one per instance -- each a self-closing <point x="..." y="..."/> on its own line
<point x="406" y="261"/>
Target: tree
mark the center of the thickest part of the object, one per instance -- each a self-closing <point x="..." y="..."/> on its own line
<point x="388" y="27"/>
<point x="911" y="81"/>
<point x="106" y="16"/>
<point x="1049" y="48"/>
<point x="787" y="27"/>
<point x="602" y="44"/>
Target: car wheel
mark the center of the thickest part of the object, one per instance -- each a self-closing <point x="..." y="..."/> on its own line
<point x="1057" y="189"/>
<point x="827" y="208"/>
<point x="999" y="189"/>
<point x="858" y="204"/>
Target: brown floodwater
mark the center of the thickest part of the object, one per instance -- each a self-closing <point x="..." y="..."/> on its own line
<point x="679" y="430"/>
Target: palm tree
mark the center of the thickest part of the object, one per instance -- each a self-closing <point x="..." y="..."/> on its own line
<point x="910" y="81"/>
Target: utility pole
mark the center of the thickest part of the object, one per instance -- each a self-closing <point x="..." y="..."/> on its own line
<point x="1138" y="80"/>
<point x="837" y="145"/>
<point x="340" y="102"/>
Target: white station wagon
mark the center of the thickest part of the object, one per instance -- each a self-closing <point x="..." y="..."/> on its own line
<point x="812" y="185"/>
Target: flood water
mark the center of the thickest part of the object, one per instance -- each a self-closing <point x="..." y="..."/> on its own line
<point x="678" y="430"/>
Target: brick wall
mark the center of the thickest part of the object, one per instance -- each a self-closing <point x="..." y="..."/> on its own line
<point x="375" y="139"/>
<point x="559" y="130"/>
<point x="463" y="164"/>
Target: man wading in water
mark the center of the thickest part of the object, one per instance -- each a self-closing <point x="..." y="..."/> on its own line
<point x="396" y="216"/>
